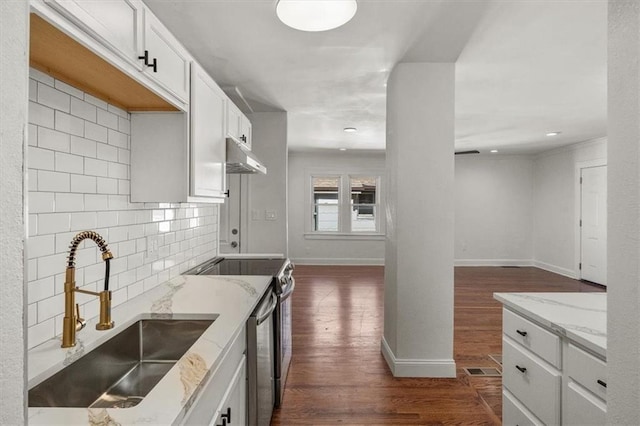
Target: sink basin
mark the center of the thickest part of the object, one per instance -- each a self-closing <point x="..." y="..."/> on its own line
<point x="123" y="370"/>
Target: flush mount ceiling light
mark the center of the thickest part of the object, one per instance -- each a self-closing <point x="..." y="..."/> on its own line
<point x="493" y="151"/>
<point x="316" y="15"/>
<point x="343" y="149"/>
<point x="553" y="133"/>
<point x="350" y="129"/>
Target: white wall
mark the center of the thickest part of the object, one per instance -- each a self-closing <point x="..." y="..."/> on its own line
<point x="347" y="250"/>
<point x="494" y="205"/>
<point x="623" y="207"/>
<point x="267" y="193"/>
<point x="13" y="122"/>
<point x="78" y="156"/>
<point x="554" y="204"/>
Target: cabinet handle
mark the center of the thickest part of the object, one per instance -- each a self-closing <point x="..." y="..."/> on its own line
<point x="227" y="416"/>
<point x="243" y="138"/>
<point x="224" y="422"/>
<point x="522" y="333"/>
<point x="154" y="65"/>
<point x="145" y="57"/>
<point x="601" y="383"/>
<point x="521" y="369"/>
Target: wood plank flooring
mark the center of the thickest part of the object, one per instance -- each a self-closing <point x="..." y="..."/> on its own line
<point x="338" y="374"/>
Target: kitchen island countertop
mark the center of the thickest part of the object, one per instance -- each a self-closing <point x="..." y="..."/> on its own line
<point x="232" y="298"/>
<point x="581" y="317"/>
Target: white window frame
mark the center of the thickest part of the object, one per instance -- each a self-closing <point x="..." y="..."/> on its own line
<point x="344" y="210"/>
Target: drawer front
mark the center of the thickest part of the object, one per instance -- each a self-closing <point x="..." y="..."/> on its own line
<point x="542" y="342"/>
<point x="586" y="369"/>
<point x="582" y="408"/>
<point x="516" y="414"/>
<point x="532" y="383"/>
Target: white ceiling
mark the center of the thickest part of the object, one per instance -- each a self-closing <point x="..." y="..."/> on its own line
<point x="523" y="68"/>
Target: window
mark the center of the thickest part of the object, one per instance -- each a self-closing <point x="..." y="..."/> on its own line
<point x="345" y="204"/>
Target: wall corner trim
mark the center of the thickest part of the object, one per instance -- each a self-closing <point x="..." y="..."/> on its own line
<point x="441" y="368"/>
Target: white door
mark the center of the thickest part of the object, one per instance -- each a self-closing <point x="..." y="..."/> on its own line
<point x="593" y="230"/>
<point x="230" y="217"/>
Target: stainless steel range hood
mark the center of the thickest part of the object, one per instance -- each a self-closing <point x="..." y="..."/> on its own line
<point x="241" y="160"/>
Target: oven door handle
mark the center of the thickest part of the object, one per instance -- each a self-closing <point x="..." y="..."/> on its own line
<point x="286" y="292"/>
<point x="262" y="318"/>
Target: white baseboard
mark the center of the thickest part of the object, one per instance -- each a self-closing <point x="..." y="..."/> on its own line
<point x="417" y="367"/>
<point x="338" y="261"/>
<point x="555" y="269"/>
<point x="493" y="262"/>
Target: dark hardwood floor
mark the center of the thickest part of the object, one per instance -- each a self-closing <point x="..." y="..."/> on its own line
<point x="338" y="374"/>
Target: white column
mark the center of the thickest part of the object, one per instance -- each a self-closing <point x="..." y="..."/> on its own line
<point x="623" y="292"/>
<point x="14" y="49"/>
<point x="418" y="310"/>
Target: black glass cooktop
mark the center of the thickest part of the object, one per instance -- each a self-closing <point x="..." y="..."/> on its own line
<point x="245" y="266"/>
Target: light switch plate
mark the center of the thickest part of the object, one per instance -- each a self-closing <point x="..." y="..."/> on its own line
<point x="255" y="214"/>
<point x="270" y="215"/>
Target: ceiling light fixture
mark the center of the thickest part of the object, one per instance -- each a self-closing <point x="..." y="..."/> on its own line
<point x="316" y="15"/>
<point x="553" y="133"/>
<point x="343" y="149"/>
<point x="350" y="129"/>
<point x="494" y="151"/>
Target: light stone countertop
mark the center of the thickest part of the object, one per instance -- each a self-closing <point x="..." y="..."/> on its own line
<point x="581" y="317"/>
<point x="232" y="298"/>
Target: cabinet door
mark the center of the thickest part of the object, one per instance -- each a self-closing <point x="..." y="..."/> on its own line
<point x="171" y="60"/>
<point x="233" y="120"/>
<point x="116" y="24"/>
<point x="208" y="148"/>
<point x="245" y="131"/>
<point x="234" y="403"/>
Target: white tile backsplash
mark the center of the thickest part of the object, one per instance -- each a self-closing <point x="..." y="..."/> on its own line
<point x="53" y="98"/>
<point x="53" y="139"/>
<point x="53" y="181"/>
<point x="78" y="178"/>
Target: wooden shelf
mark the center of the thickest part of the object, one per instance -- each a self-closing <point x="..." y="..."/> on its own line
<point x="55" y="53"/>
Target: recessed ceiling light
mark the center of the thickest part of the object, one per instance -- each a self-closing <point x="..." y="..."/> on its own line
<point x="316" y="15"/>
<point x="350" y="129"/>
<point x="494" y="151"/>
<point x="343" y="149"/>
<point x="553" y="133"/>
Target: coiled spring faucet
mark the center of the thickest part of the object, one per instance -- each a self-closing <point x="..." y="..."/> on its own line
<point x="72" y="322"/>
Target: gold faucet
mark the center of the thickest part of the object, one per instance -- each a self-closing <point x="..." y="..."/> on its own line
<point x="72" y="321"/>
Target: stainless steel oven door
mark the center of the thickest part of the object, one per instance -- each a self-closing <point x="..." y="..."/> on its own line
<point x="260" y="362"/>
<point x="283" y="339"/>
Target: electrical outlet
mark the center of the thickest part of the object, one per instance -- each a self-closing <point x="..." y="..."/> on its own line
<point x="153" y="245"/>
<point x="270" y="215"/>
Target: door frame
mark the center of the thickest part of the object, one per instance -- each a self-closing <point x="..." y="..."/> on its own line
<point x="578" y="210"/>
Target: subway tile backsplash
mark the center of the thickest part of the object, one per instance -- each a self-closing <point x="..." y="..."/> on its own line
<point x="78" y="177"/>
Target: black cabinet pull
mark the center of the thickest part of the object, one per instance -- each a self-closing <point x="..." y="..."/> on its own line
<point x="243" y="138"/>
<point x="145" y="57"/>
<point x="224" y="422"/>
<point x="521" y="369"/>
<point x="522" y="333"/>
<point x="601" y="383"/>
<point x="227" y="416"/>
<point x="154" y="65"/>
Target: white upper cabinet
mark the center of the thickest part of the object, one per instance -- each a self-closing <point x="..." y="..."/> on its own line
<point x="245" y="131"/>
<point x="116" y="24"/>
<point x="233" y="120"/>
<point x="131" y="31"/>
<point x="208" y="146"/>
<point x="166" y="60"/>
<point x="238" y="125"/>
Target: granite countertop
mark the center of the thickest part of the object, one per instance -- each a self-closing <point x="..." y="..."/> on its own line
<point x="581" y="317"/>
<point x="232" y="298"/>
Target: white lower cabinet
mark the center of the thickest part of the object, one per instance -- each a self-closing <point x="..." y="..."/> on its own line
<point x="224" y="392"/>
<point x="547" y="379"/>
<point x="233" y="409"/>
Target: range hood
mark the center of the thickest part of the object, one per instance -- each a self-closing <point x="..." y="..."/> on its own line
<point x="241" y="160"/>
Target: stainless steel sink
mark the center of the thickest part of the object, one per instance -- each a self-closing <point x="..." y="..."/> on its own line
<point x="123" y="370"/>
